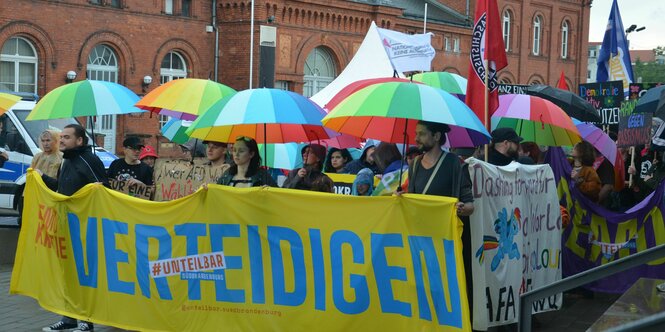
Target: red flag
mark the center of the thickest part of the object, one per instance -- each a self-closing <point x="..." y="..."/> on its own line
<point x="562" y="83"/>
<point x="486" y="44"/>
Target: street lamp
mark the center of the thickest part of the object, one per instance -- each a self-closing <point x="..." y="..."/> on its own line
<point x="70" y="77"/>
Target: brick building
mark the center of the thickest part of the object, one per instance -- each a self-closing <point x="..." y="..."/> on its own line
<point x="126" y="40"/>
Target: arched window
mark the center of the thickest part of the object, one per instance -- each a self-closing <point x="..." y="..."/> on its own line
<point x="103" y="66"/>
<point x="564" y="40"/>
<point x="319" y="71"/>
<point x="506" y="29"/>
<point x="537" y="34"/>
<point x="173" y="67"/>
<point x="18" y="66"/>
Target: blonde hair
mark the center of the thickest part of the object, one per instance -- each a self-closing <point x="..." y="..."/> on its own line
<point x="55" y="137"/>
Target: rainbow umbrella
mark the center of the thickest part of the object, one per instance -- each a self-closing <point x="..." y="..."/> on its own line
<point x="382" y="111"/>
<point x="175" y="129"/>
<point x="282" y="116"/>
<point x="282" y="155"/>
<point x="7" y="101"/>
<point x="85" y="98"/>
<point x="536" y="120"/>
<point x="448" y="82"/>
<point x="185" y="98"/>
<point x="357" y="85"/>
<point x="599" y="139"/>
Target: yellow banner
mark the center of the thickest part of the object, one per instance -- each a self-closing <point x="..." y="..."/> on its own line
<point x="244" y="259"/>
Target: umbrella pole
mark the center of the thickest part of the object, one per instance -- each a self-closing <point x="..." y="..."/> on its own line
<point x="632" y="164"/>
<point x="401" y="164"/>
<point x="92" y="129"/>
<point x="265" y="154"/>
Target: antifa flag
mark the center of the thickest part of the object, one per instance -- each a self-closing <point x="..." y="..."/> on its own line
<point x="614" y="58"/>
<point x="486" y="45"/>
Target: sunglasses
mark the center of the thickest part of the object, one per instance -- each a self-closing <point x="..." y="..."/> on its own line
<point x="244" y="138"/>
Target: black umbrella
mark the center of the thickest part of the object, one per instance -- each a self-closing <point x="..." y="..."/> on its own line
<point x="653" y="101"/>
<point x="574" y="105"/>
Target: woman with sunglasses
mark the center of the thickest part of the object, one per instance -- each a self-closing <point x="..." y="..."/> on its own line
<point x="246" y="170"/>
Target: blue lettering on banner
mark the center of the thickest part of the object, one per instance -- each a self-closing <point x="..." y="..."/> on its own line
<point x="350" y="291"/>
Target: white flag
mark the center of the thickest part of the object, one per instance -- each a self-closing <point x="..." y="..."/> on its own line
<point x="408" y="52"/>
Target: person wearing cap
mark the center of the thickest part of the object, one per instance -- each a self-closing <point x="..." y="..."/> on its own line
<point x="313" y="156"/>
<point x="504" y="146"/>
<point x="216" y="153"/>
<point x="148" y="156"/>
<point x="130" y="168"/>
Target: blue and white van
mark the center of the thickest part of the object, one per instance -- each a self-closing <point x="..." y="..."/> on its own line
<point x="20" y="139"/>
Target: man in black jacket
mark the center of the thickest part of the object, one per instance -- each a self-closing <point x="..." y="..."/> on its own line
<point x="79" y="167"/>
<point x="504" y="146"/>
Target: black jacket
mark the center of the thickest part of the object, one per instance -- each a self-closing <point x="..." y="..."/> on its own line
<point x="79" y="167"/>
<point x="498" y="159"/>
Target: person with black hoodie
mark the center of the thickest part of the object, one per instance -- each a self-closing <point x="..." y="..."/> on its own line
<point x="79" y="167"/>
<point x="366" y="160"/>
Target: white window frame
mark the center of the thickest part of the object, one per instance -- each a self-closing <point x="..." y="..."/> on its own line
<point x="314" y="81"/>
<point x="456" y="44"/>
<point x="446" y="44"/>
<point x="170" y="74"/>
<point x="104" y="70"/>
<point x="564" y="40"/>
<point x="537" y="34"/>
<point x="168" y="7"/>
<point x="506" y="29"/>
<point x="21" y="59"/>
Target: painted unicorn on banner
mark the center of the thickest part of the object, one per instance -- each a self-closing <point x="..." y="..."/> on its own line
<point x="506" y="229"/>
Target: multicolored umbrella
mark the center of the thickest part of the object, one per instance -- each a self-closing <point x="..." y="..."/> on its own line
<point x="536" y="120"/>
<point x="448" y="82"/>
<point x="185" y="98"/>
<point x="382" y="111"/>
<point x="599" y="139"/>
<point x="85" y="98"/>
<point x="175" y="129"/>
<point x="282" y="115"/>
<point x="282" y="155"/>
<point x="7" y="101"/>
<point x="357" y="85"/>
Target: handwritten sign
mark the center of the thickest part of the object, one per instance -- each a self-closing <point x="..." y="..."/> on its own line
<point x="178" y="178"/>
<point x="634" y="128"/>
<point x="139" y="190"/>
<point x="637" y="90"/>
<point x="606" y="97"/>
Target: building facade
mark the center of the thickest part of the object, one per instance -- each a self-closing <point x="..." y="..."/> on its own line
<point x="309" y="42"/>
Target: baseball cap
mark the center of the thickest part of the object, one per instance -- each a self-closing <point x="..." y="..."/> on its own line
<point x="505" y="134"/>
<point x="147" y="151"/>
<point x="132" y="142"/>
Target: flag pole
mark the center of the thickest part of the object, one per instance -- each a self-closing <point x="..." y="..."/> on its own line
<point x="251" y="46"/>
<point x="487" y="98"/>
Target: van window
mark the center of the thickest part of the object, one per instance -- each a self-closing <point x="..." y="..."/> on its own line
<point x="35" y="128"/>
<point x="10" y="137"/>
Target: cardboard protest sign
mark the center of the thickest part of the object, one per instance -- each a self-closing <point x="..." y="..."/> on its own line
<point x="606" y="97"/>
<point x="139" y="190"/>
<point x="178" y="178"/>
<point x="634" y="128"/>
<point x="637" y="90"/>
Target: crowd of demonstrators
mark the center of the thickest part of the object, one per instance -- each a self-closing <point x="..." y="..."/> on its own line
<point x="605" y="171"/>
<point x="148" y="156"/>
<point x="646" y="183"/>
<point x="336" y="160"/>
<point x="130" y="168"/>
<point x="583" y="174"/>
<point x="246" y="170"/>
<point x="366" y="160"/>
<point x="79" y="167"/>
<point x="49" y="159"/>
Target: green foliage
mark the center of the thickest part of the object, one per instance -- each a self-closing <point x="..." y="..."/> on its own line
<point x="649" y="72"/>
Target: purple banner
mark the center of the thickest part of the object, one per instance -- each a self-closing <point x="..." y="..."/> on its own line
<point x="596" y="236"/>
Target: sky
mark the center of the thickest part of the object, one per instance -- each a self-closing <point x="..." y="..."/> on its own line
<point x="647" y="13"/>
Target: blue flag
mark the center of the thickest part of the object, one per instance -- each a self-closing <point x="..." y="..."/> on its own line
<point x="614" y="58"/>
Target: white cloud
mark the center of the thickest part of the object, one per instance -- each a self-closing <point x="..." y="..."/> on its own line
<point x="648" y="13"/>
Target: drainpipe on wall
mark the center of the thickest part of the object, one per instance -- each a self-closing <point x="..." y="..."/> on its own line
<point x="214" y="26"/>
<point x="467" y="9"/>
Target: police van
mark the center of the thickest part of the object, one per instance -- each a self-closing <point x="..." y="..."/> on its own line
<point x="20" y="140"/>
